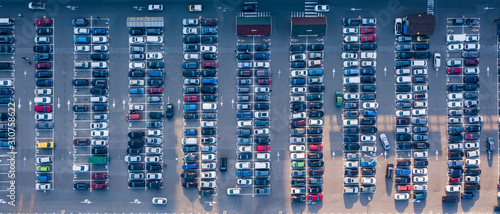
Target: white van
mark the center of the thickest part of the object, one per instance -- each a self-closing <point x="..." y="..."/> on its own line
<point x="403" y="71"/>
<point x="154" y="39"/>
<point x="403" y="79"/>
<point x="263" y="156"/>
<point x="189" y="141"/>
<point x="351" y="80"/>
<point x="99" y="65"/>
<point x="455" y="38"/>
<point x="300" y="115"/>
<point x="262" y="165"/>
<point x="101" y="99"/>
<point x="47" y="159"/>
<point x="6" y="21"/>
<point x="419" y="63"/>
<point x="402" y="130"/>
<point x="208" y="124"/>
<point x="209" y="106"/>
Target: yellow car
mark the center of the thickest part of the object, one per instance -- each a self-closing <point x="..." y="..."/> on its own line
<point x="195" y="8"/>
<point x="46" y="145"/>
<point x="422" y="38"/>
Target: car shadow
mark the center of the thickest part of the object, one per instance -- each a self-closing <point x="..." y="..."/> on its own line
<point x="419" y="205"/>
<point x="388" y="186"/>
<point x="467" y="204"/>
<point x="298" y="207"/>
<point x="350" y="199"/>
<point x="314" y="206"/>
<point x="365" y="198"/>
<point x="401" y="205"/>
<point x="449" y="207"/>
<point x="207" y="202"/>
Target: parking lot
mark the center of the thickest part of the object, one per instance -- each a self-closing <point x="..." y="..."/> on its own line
<point x="155" y="118"/>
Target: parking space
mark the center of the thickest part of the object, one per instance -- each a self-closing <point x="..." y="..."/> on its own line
<point x="90" y="103"/>
<point x="411" y="73"/>
<point x="306" y="118"/>
<point x="8" y="109"/>
<point x="253" y="81"/>
<point x="359" y="106"/>
<point x="464" y="122"/>
<point x="146" y="103"/>
<point x="200" y="78"/>
<point x="44" y="98"/>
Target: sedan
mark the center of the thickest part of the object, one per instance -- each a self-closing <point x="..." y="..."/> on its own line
<point x="369" y="38"/>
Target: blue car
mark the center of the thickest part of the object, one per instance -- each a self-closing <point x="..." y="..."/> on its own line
<point x="136" y="91"/>
<point x="210" y="81"/>
<point x="370" y="113"/>
<point x="315" y="72"/>
<point x="190" y="132"/>
<point x="208" y="31"/>
<point x="368" y="71"/>
<point x="191" y="107"/>
<point x="5" y="143"/>
<point x="190" y="166"/>
<point x="243" y="173"/>
<point x="368" y="163"/>
<point x="81" y="40"/>
<point x="244" y="64"/>
<point x="298" y="81"/>
<point x="244" y="115"/>
<point x="99" y="31"/>
<point x="43" y="178"/>
<point x="351" y="72"/>
<point x="190" y="65"/>
<point x="403" y="172"/>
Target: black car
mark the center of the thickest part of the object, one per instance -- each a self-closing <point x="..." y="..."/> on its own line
<point x="368" y="79"/>
<point x="455" y="155"/>
<point x="315" y="155"/>
<point x="244" y="156"/>
<point x="315" y="172"/>
<point x="208" y="39"/>
<point x="351" y="172"/>
<point x="453" y="173"/>
<point x="402" y="180"/>
<point x="369" y="130"/>
<point x="471" y="87"/>
<point x="153" y="167"/>
<point x="98" y="91"/>
<point x="136" y="31"/>
<point x="368" y="46"/>
<point x="471" y="111"/>
<point x="155" y="82"/>
<point x="43" y="74"/>
<point x="262" y="47"/>
<point x="315" y="113"/>
<point x="423" y="55"/>
<point x="297" y="48"/>
<point x="100" y="83"/>
<point x="368" y="121"/>
<point x="472" y="187"/>
<point x="420" y="163"/>
<point x="189" y="184"/>
<point x="134" y="150"/>
<point x="191" y="116"/>
<point x="223" y="165"/>
<point x="99" y="57"/>
<point x="315" y="47"/>
<point x="187" y="149"/>
<point x="368" y="88"/>
<point x="248" y="7"/>
<point x="264" y="181"/>
<point x="188" y="175"/>
<point x="402" y="105"/>
<point x="389" y="170"/>
<point x="136" y="74"/>
<point x="351" y="130"/>
<point x="455" y="88"/>
<point x="81" y="186"/>
<point x="368" y="96"/>
<point x="170" y="111"/>
<point x="262" y="140"/>
<point x="471" y="171"/>
<point x="42" y="48"/>
<point x="403" y="88"/>
<point x="206" y="192"/>
<point x="315" y="190"/>
<point x="350" y="47"/>
<point x="100" y="73"/>
<point x="351" y="146"/>
<point x="6" y="49"/>
<point x="155" y="115"/>
<point x="8" y="31"/>
<point x="366" y="171"/>
<point x="134" y="184"/>
<point x="314" y="105"/>
<point x="314" y="131"/>
<point x="421" y="145"/>
<point x="136" y="134"/>
<point x="404" y="55"/>
<point x="136" y="143"/>
<point x="191" y="39"/>
<point x="155" y="184"/>
<point x="135" y="166"/>
<point x="405" y="145"/>
<point x="403" y="162"/>
<point x="80" y="108"/>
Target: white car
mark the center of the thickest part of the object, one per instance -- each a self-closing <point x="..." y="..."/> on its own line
<point x="419" y="179"/>
<point x="456" y="146"/>
<point x="244" y="148"/>
<point x="402" y="113"/>
<point x="154" y="150"/>
<point x="351" y="180"/>
<point x="264" y="131"/>
<point x="368" y="181"/>
<point x="350" y="30"/>
<point x="46" y="91"/>
<point x="99" y="142"/>
<point x="297" y="98"/>
<point x="349" y="64"/>
<point x="43" y="186"/>
<point x="369" y="148"/>
<point x="261" y="64"/>
<point x="349" y="55"/>
<point x="322" y="8"/>
<point x="155" y="7"/>
<point x="472" y="154"/>
<point x="190" y="30"/>
<point x="297" y="148"/>
<point x="315" y="122"/>
<point x="351" y="164"/>
<point x="208" y="175"/>
<point x="298" y="73"/>
<point x="454" y="120"/>
<point x="190" y="22"/>
<point x="155" y="133"/>
<point x="472" y="162"/>
<point x="233" y="191"/>
<point x="243" y="165"/>
<point x="350" y="122"/>
<point x="351" y="96"/>
<point x="100" y="48"/>
<point x="420" y="171"/>
<point x="132" y="159"/>
<point x="100" y="65"/>
<point x="192" y="56"/>
<point x="454" y="63"/>
<point x="298" y="90"/>
<point x="419" y="112"/>
<point x="437" y="61"/>
<point x="155" y="176"/>
<point x="159" y="200"/>
<point x="368" y="63"/>
<point x="453" y="188"/>
<point x="419" y="104"/>
<point x="244" y="123"/>
<point x="81" y="168"/>
<point x="135" y="82"/>
<point x="455" y="104"/>
<point x="136" y="40"/>
<point x="152" y="159"/>
<point x="398" y="22"/>
<point x="298" y="57"/>
<point x="420" y="88"/>
<point x="103" y="133"/>
<point x="420" y="71"/>
<point x="43" y="100"/>
<point x="403" y="79"/>
<point x="351" y="189"/>
<point x="102" y="125"/>
<point x="420" y="154"/>
<point x="154" y="39"/>
<point x="455" y="96"/>
<point x="137" y="65"/>
<point x="470" y="71"/>
<point x="99" y="39"/>
<point x="471" y="47"/>
<point x="476" y="119"/>
<point x="349" y="39"/>
<point x="208" y="166"/>
<point x="472" y="38"/>
<point x="298" y="155"/>
<point x="154" y="55"/>
<point x="402" y="196"/>
<point x="471" y="179"/>
<point x="368" y="55"/>
<point x="473" y="145"/>
<point x="80" y="30"/>
<point x="82" y="48"/>
<point x="368" y="138"/>
<point x="44" y="117"/>
<point x="210" y="48"/>
<point x="370" y="105"/>
<point x="403" y="97"/>
<point x="455" y="47"/>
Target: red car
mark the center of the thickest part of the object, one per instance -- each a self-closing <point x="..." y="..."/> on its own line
<point x="298" y="123"/>
<point x="471" y="62"/>
<point x="455" y="180"/>
<point x="368" y="30"/>
<point x="209" y="64"/>
<point x="43" y="108"/>
<point x="134" y="116"/>
<point x="407" y="187"/>
<point x="43" y="22"/>
<point x="262" y="148"/>
<point x="316" y="197"/>
<point x="42" y="65"/>
<point x="315" y="147"/>
<point x="99" y="186"/>
<point x="158" y="90"/>
<point x="99" y="176"/>
<point x="264" y="81"/>
<point x="471" y="136"/>
<point x="369" y="38"/>
<point x="453" y="70"/>
<point x="193" y="98"/>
